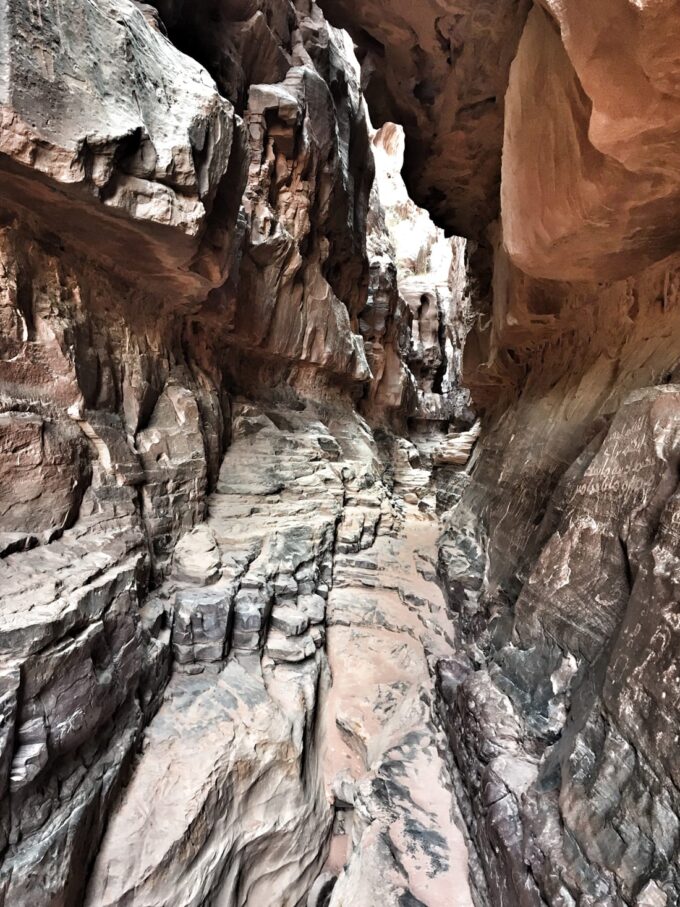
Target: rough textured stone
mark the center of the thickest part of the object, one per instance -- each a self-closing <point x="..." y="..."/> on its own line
<point x="234" y="375"/>
<point x="299" y="307"/>
<point x="45" y="471"/>
<point x="384" y="742"/>
<point x="136" y="159"/>
<point x="430" y="307"/>
<point x="557" y="703"/>
<point x="270" y="719"/>
<point x="442" y="72"/>
<point x="123" y="167"/>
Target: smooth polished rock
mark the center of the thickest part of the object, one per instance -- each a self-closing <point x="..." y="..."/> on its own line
<point x="607" y="206"/>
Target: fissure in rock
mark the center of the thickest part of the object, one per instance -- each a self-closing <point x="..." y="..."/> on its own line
<point x="339" y="555"/>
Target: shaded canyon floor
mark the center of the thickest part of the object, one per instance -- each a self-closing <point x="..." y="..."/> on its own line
<point x="297" y="740"/>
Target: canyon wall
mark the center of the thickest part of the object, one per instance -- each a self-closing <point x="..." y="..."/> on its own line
<point x="200" y="302"/>
<point x="239" y="379"/>
<point x="561" y="557"/>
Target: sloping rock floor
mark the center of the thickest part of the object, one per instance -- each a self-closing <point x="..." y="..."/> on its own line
<point x="297" y="740"/>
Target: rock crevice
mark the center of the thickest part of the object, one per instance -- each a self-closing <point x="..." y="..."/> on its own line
<point x="338" y="556"/>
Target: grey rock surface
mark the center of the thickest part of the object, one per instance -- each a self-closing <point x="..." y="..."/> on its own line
<point x="559" y="734"/>
<point x="281" y="621"/>
<point x="123" y="167"/>
<point x="235" y="783"/>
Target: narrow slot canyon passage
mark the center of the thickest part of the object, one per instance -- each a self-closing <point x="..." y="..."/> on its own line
<point x="339" y="453"/>
<point x="317" y="744"/>
<point x="308" y="633"/>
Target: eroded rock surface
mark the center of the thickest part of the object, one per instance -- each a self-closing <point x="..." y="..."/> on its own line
<point x="135" y="158"/>
<point x="575" y="781"/>
<point x="607" y="205"/>
<point x="306" y="634"/>
<point x="386" y="759"/>
<point x="184" y="226"/>
<point x="239" y="385"/>
<point x="441" y="71"/>
<point x="560" y="545"/>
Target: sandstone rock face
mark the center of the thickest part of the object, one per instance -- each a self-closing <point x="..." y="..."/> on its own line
<point x="243" y="802"/>
<point x="559" y="551"/>
<point x="302" y="279"/>
<point x="543" y="559"/>
<point x="430" y="279"/>
<point x="138" y="158"/>
<point x="441" y="70"/>
<point x="239" y="377"/>
<point x="605" y="116"/>
<point x="88" y="377"/>
<point x="120" y="212"/>
<point x="553" y="542"/>
<point x="185" y="218"/>
<point x="574" y="785"/>
<point x="268" y="739"/>
<point x="394" y="806"/>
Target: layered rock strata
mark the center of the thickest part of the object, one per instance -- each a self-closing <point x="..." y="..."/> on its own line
<point x="183" y="221"/>
<point x="560" y="550"/>
<point x="306" y="630"/>
<point x="228" y="674"/>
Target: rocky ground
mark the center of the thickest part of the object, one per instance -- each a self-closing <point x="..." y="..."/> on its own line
<point x="299" y="731"/>
<point x="338" y="557"/>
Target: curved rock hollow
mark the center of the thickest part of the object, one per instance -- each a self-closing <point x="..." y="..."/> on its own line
<point x="338" y="555"/>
